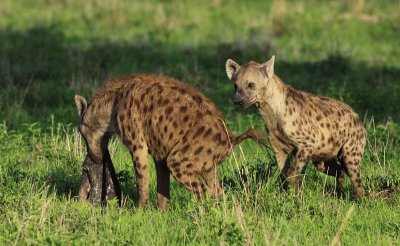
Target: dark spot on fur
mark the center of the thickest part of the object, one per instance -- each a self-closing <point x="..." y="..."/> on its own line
<point x="175" y="164"/>
<point x="185" y="149"/>
<point x="199" y="131"/>
<point x="208" y="132"/>
<point x="183" y="109"/>
<point x="199" y="114"/>
<point x="169" y="110"/>
<point x="198" y="150"/>
<point x="128" y="142"/>
<point x="197" y="99"/>
<point x="217" y="137"/>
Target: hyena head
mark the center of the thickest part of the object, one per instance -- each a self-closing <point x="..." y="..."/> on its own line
<point x="86" y="126"/>
<point x="250" y="79"/>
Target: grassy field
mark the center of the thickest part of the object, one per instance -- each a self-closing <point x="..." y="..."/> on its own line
<point x="51" y="50"/>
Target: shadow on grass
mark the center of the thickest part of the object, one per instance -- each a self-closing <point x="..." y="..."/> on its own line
<point x="251" y="176"/>
<point x="66" y="184"/>
<point x="42" y="69"/>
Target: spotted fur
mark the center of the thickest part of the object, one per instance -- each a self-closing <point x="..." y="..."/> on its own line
<point x="321" y="129"/>
<point x="181" y="128"/>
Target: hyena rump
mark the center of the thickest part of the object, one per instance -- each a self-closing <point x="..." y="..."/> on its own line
<point x="181" y="128"/>
<point x="321" y="129"/>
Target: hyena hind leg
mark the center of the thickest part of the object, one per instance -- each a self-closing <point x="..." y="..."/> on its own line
<point x="351" y="160"/>
<point x="185" y="174"/>
<point x="332" y="167"/>
<point x="210" y="177"/>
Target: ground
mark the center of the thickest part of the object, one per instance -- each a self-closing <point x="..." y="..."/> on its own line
<point x="52" y="50"/>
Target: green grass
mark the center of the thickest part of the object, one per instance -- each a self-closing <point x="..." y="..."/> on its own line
<point x="50" y="50"/>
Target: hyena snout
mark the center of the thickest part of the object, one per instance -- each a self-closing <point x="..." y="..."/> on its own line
<point x="239" y="99"/>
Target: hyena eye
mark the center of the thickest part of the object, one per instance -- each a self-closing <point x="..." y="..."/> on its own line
<point x="251" y="85"/>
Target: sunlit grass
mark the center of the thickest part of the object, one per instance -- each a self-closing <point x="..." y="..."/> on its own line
<point x="51" y="50"/>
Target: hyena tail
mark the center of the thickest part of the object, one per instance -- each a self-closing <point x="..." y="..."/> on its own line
<point x="254" y="134"/>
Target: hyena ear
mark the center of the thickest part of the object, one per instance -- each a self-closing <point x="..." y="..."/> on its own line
<point x="268" y="67"/>
<point x="231" y="68"/>
<point x="81" y="104"/>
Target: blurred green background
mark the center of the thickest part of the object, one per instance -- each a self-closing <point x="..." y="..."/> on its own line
<point x="50" y="50"/>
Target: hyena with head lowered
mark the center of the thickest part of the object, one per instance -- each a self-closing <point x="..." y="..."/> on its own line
<point x="321" y="129"/>
<point x="175" y="123"/>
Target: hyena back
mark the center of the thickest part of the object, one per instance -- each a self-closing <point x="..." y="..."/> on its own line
<point x="321" y="129"/>
<point x="181" y="128"/>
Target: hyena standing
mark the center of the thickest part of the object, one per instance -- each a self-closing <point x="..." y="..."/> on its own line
<point x="181" y="128"/>
<point x="320" y="129"/>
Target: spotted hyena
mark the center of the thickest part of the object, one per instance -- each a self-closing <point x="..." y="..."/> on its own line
<point x="181" y="128"/>
<point x="321" y="129"/>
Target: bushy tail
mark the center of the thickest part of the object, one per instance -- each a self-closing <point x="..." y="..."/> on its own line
<point x="256" y="135"/>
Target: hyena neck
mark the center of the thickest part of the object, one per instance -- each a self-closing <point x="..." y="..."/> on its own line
<point x="272" y="100"/>
<point x="103" y="111"/>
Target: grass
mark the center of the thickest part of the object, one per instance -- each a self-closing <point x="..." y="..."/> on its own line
<point x="50" y="50"/>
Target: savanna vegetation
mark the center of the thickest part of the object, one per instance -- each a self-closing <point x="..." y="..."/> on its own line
<point x="51" y="50"/>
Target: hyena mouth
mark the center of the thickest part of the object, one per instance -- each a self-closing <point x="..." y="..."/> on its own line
<point x="254" y="101"/>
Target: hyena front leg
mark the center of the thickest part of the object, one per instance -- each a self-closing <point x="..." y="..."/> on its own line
<point x="282" y="152"/>
<point x="139" y="152"/>
<point x="301" y="159"/>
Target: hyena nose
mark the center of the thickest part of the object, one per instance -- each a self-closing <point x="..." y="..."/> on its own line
<point x="238" y="102"/>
